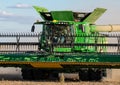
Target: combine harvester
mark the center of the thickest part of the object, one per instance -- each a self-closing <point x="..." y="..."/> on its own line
<point x="70" y="42"/>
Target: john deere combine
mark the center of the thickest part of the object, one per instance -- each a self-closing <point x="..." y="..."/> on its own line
<point x="70" y="42"/>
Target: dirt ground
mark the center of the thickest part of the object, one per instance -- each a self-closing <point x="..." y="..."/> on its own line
<point x="2" y="82"/>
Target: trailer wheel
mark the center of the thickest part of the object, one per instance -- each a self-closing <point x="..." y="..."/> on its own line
<point x="83" y="75"/>
<point x="27" y="74"/>
<point x="90" y="75"/>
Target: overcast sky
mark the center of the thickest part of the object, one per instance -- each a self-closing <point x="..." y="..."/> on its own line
<point x="18" y="15"/>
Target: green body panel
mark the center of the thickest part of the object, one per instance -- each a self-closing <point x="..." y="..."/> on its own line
<point x="62" y="15"/>
<point x="95" y="15"/>
<point x="86" y="31"/>
<point x="40" y="9"/>
<point x="62" y="49"/>
<point x="61" y="58"/>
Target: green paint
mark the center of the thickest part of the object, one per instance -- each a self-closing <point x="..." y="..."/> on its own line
<point x="64" y="58"/>
<point x="62" y="49"/>
<point x="95" y="15"/>
<point x="62" y="15"/>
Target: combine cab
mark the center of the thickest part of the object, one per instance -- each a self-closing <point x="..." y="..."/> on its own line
<point x="69" y="43"/>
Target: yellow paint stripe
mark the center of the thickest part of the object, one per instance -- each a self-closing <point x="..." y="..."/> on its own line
<point x="59" y="64"/>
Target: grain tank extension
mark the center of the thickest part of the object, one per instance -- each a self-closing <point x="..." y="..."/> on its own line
<point x="69" y="42"/>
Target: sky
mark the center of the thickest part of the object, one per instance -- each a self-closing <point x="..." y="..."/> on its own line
<point x="19" y="15"/>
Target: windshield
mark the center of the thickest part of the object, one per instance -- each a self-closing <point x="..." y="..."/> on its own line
<point x="58" y="33"/>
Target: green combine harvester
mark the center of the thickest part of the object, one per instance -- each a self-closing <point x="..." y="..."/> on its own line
<point x="70" y="42"/>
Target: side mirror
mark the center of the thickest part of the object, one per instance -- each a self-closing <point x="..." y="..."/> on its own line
<point x="33" y="28"/>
